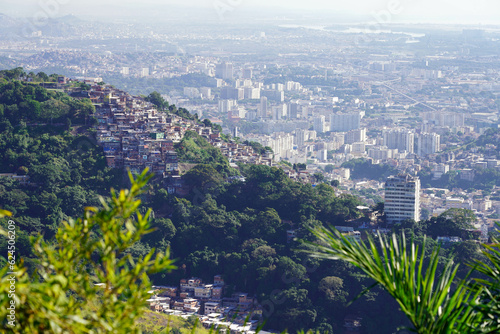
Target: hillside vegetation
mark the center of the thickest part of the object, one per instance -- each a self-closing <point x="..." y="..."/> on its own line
<point x="236" y="229"/>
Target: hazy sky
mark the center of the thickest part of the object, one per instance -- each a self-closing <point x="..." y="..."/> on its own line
<point x="466" y="11"/>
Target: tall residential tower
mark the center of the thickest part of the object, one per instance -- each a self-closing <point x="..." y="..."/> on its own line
<point x="402" y="198"/>
<point x="428" y="143"/>
<point x="400" y="139"/>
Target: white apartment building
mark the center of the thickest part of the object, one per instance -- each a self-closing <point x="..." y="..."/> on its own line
<point x="211" y="307"/>
<point x="358" y="147"/>
<point x="355" y="136"/>
<point x="382" y="153"/>
<point x="252" y="93"/>
<point x="206" y="92"/>
<point x="226" y="105"/>
<point x="439" y="170"/>
<point x="345" y="122"/>
<point x="322" y="155"/>
<point x="262" y="113"/>
<point x="281" y="143"/>
<point x="449" y="119"/>
<point x="301" y="136"/>
<point x="279" y="112"/>
<point x="428" y="143"/>
<point x="402" y="198"/>
<point x="400" y="139"/>
<point x="319" y="124"/>
<point x="224" y="71"/>
<point x="144" y="72"/>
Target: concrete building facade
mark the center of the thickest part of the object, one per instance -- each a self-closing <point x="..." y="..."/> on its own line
<point x="402" y="198"/>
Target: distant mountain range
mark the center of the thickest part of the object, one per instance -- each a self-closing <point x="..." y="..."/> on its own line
<point x="21" y="27"/>
<point x="7" y="21"/>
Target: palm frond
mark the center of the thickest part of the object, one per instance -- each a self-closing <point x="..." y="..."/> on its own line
<point x="424" y="295"/>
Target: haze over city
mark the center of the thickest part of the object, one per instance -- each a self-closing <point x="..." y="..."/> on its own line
<point x="265" y="144"/>
<point x="401" y="11"/>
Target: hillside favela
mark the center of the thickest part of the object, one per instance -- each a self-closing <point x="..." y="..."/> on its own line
<point x="229" y="166"/>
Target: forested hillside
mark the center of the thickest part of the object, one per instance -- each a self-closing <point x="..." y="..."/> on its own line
<point x="234" y="228"/>
<point x="66" y="171"/>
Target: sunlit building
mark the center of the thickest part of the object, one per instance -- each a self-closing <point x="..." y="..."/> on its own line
<point x="402" y="198"/>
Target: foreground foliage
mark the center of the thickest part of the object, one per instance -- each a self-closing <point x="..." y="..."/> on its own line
<point x="431" y="299"/>
<point x="87" y="251"/>
<point x="225" y="226"/>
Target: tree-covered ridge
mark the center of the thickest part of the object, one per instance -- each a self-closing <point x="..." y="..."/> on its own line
<point x="22" y="101"/>
<point x="66" y="169"/>
<point x="240" y="229"/>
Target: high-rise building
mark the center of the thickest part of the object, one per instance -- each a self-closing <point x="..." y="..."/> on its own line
<point x="224" y="70"/>
<point x="305" y="111"/>
<point x="263" y="107"/>
<point x="292" y="85"/>
<point x="281" y="143"/>
<point x="319" y="124"/>
<point x="206" y="92"/>
<point x="402" y="198"/>
<point x="301" y="136"/>
<point x="345" y="122"/>
<point x="382" y="153"/>
<point x="355" y="136"/>
<point x="226" y="105"/>
<point x="322" y="155"/>
<point x="400" y="139"/>
<point x="251" y="115"/>
<point x="450" y="119"/>
<point x="293" y="110"/>
<point x="243" y="83"/>
<point x="230" y="93"/>
<point x="279" y="112"/>
<point x="428" y="143"/>
<point x="216" y="82"/>
<point x="273" y="94"/>
<point x="252" y="93"/>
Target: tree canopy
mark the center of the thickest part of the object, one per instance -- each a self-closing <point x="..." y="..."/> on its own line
<point x="86" y="281"/>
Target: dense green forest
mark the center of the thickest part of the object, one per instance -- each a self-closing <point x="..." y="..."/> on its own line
<point x="67" y="171"/>
<point x="237" y="229"/>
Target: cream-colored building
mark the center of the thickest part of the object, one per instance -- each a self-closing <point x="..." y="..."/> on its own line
<point x="402" y="198"/>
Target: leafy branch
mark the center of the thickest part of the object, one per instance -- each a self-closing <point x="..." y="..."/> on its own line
<point x="86" y="282"/>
